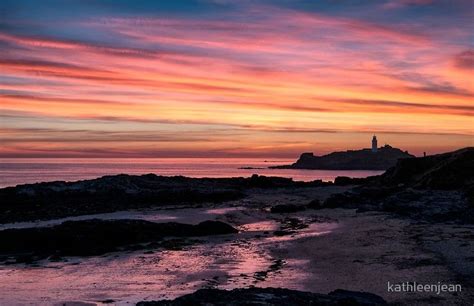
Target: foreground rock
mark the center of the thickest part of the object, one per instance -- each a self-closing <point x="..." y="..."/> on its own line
<point x="364" y="159"/>
<point x="434" y="188"/>
<point x="60" y="199"/>
<point x="345" y="180"/>
<point x="95" y="237"/>
<point x="270" y="296"/>
<point x="286" y="208"/>
<point x="448" y="171"/>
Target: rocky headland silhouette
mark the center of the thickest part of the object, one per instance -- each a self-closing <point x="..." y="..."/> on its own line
<point x="364" y="159"/>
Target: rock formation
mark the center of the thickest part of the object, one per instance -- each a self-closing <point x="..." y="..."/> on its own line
<point x="270" y="297"/>
<point x="95" y="237"/>
<point x="59" y="199"/>
<point x="437" y="188"/>
<point x="364" y="159"/>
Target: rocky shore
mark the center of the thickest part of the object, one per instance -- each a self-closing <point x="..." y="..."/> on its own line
<point x="96" y="237"/>
<point x="60" y="199"/>
<point x="412" y="223"/>
<point x="269" y="297"/>
<point x="436" y="188"/>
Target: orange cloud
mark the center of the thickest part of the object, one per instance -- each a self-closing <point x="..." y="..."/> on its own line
<point x="288" y="72"/>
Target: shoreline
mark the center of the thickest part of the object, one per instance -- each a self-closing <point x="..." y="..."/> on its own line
<point x="407" y="225"/>
<point x="379" y="248"/>
<point x="362" y="253"/>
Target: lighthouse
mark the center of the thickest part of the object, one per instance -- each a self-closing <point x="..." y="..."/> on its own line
<point x="374" y="144"/>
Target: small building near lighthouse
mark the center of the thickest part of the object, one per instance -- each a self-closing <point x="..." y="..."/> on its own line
<point x="374" y="144"/>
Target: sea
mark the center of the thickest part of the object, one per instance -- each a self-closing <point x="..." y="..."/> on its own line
<point x="15" y="171"/>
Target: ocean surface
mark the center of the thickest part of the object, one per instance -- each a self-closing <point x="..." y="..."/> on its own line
<point x="14" y="171"/>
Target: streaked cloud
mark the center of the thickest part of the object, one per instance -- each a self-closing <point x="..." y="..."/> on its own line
<point x="465" y="60"/>
<point x="250" y="77"/>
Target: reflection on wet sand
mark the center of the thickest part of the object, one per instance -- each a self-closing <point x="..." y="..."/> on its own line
<point x="229" y="261"/>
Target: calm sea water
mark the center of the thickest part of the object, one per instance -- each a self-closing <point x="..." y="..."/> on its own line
<point x="22" y="171"/>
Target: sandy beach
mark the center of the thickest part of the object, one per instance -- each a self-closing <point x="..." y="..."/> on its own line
<point x="317" y="251"/>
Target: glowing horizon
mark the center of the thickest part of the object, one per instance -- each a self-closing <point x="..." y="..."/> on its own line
<point x="229" y="79"/>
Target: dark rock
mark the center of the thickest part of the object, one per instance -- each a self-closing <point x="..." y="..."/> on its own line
<point x="412" y="263"/>
<point x="55" y="258"/>
<point x="213" y="228"/>
<point x="280" y="233"/>
<point x="315" y="204"/>
<point x="404" y="202"/>
<point x="343" y="200"/>
<point x="435" y="188"/>
<point x="434" y="205"/>
<point x="108" y="301"/>
<point x="54" y="200"/>
<point x="107" y="194"/>
<point x="364" y="159"/>
<point x="270" y="296"/>
<point x="345" y="180"/>
<point x="286" y="208"/>
<point x="363" y="298"/>
<point x="377" y="192"/>
<point x="95" y="237"/>
<point x="448" y="171"/>
<point x="265" y="182"/>
<point x="469" y="191"/>
<point x="292" y="224"/>
<point x="173" y="244"/>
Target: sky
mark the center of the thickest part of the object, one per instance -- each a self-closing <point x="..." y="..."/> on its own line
<point x="203" y="78"/>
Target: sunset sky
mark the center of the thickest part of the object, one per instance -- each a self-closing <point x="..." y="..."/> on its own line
<point x="223" y="78"/>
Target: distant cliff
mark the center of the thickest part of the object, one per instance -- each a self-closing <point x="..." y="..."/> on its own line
<point x="364" y="159"/>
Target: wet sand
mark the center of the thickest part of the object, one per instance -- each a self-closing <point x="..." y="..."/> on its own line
<point x="227" y="261"/>
<point x="334" y="248"/>
<point x="368" y="250"/>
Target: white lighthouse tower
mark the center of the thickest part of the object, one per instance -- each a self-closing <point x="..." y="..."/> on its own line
<point x="374" y="144"/>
